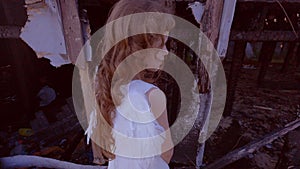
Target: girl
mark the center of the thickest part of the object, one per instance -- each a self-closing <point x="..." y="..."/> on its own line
<point x="125" y="100"/>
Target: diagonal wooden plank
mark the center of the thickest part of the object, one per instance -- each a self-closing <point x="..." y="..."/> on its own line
<point x="253" y="146"/>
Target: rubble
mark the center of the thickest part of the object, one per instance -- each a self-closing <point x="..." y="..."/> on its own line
<point x="258" y="111"/>
<point x="55" y="140"/>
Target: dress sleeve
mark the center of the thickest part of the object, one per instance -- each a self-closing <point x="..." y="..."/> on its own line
<point x="141" y="86"/>
<point x="135" y="104"/>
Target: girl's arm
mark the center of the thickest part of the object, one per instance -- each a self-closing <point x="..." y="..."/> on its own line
<point x="157" y="101"/>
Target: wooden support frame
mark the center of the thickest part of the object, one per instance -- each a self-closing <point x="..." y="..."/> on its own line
<point x="71" y="28"/>
<point x="298" y="56"/>
<point x="265" y="57"/>
<point x="252" y="147"/>
<point x="288" y="57"/>
<point x="239" y="54"/>
<point x="264" y="35"/>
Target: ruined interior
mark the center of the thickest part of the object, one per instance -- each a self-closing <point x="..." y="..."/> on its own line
<point x="262" y="67"/>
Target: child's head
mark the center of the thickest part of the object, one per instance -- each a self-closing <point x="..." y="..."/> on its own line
<point x="127" y="46"/>
<point x="119" y="47"/>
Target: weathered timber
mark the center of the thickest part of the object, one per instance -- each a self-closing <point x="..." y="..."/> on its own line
<point x="264" y="35"/>
<point x="265" y="58"/>
<point x="237" y="61"/>
<point x="253" y="146"/>
<point x="71" y="28"/>
<point x="289" y="56"/>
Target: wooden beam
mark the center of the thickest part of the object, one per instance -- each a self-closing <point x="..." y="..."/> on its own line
<point x="253" y="146"/>
<point x="264" y="36"/>
<point x="72" y="28"/>
<point x="271" y="1"/>
<point x="265" y="58"/>
<point x="210" y="25"/>
<point x="10" y="32"/>
<point x="298" y="56"/>
<point x="237" y="62"/>
<point x="289" y="56"/>
<point x="226" y="23"/>
<point x="211" y="20"/>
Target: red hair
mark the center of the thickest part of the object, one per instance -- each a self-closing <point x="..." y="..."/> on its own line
<point x="118" y="53"/>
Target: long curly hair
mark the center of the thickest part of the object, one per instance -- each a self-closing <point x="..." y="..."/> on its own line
<point x="117" y="53"/>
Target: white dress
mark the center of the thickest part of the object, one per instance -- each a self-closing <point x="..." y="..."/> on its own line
<point x="134" y="119"/>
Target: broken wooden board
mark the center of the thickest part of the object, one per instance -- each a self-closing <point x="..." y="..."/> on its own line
<point x="253" y="146"/>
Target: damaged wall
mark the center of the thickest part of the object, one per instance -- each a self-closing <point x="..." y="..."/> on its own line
<point x="43" y="31"/>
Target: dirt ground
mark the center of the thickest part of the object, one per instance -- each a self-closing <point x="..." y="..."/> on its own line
<point x="257" y="111"/>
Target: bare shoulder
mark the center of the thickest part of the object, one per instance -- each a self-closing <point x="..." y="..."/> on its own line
<point x="157" y="98"/>
<point x="158" y="103"/>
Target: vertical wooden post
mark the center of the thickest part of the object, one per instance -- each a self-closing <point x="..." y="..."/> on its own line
<point x="71" y="28"/>
<point x="237" y="61"/>
<point x="266" y="57"/>
<point x="288" y="57"/>
<point x="210" y="25"/>
<point x="225" y="27"/>
<point x="211" y="21"/>
<point x="298" y="56"/>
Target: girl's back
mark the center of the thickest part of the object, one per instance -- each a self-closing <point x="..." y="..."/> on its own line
<point x="136" y="131"/>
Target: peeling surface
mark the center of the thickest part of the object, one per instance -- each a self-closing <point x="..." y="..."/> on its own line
<point x="197" y="10"/>
<point x="226" y="22"/>
<point x="43" y="31"/>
